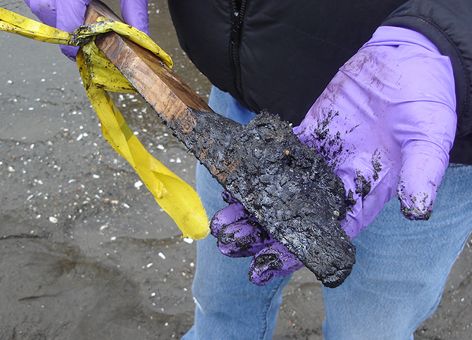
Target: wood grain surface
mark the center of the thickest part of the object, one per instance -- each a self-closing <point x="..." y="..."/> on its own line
<point x="170" y="97"/>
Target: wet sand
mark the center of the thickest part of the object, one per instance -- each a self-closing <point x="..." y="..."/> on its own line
<point x="85" y="252"/>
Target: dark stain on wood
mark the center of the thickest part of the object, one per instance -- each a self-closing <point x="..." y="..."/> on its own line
<point x="286" y="185"/>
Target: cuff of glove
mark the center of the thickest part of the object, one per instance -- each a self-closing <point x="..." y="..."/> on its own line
<point x="390" y="35"/>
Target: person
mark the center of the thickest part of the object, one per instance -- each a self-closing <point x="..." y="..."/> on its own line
<point x="382" y="90"/>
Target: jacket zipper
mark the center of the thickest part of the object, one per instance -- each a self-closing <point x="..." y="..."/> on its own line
<point x="238" y="10"/>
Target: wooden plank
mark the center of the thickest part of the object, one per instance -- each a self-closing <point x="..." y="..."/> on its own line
<point x="286" y="185"/>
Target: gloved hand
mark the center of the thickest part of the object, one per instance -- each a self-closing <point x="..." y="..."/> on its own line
<point x="239" y="235"/>
<point x="386" y="124"/>
<point x="67" y="15"/>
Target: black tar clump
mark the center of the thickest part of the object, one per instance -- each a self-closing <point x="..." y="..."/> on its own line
<point x="285" y="184"/>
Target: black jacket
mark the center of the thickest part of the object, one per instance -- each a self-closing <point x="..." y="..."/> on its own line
<point x="280" y="55"/>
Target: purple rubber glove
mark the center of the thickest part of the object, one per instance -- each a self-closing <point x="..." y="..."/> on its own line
<point x="67" y="15"/>
<point x="239" y="235"/>
<point x="386" y="124"/>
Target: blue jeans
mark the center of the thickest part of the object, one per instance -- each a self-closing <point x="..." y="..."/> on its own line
<point x="397" y="282"/>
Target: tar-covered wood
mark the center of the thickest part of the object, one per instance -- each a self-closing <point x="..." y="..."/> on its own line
<point x="285" y="184"/>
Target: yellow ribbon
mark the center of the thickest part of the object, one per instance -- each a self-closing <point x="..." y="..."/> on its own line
<point x="99" y="75"/>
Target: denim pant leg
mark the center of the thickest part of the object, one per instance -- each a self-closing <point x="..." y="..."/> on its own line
<point x="228" y="306"/>
<point x="401" y="267"/>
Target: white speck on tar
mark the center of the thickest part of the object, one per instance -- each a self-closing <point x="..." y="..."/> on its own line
<point x="162" y="256"/>
<point x="52" y="219"/>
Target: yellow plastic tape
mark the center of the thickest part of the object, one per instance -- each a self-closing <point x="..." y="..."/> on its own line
<point x="99" y="75"/>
